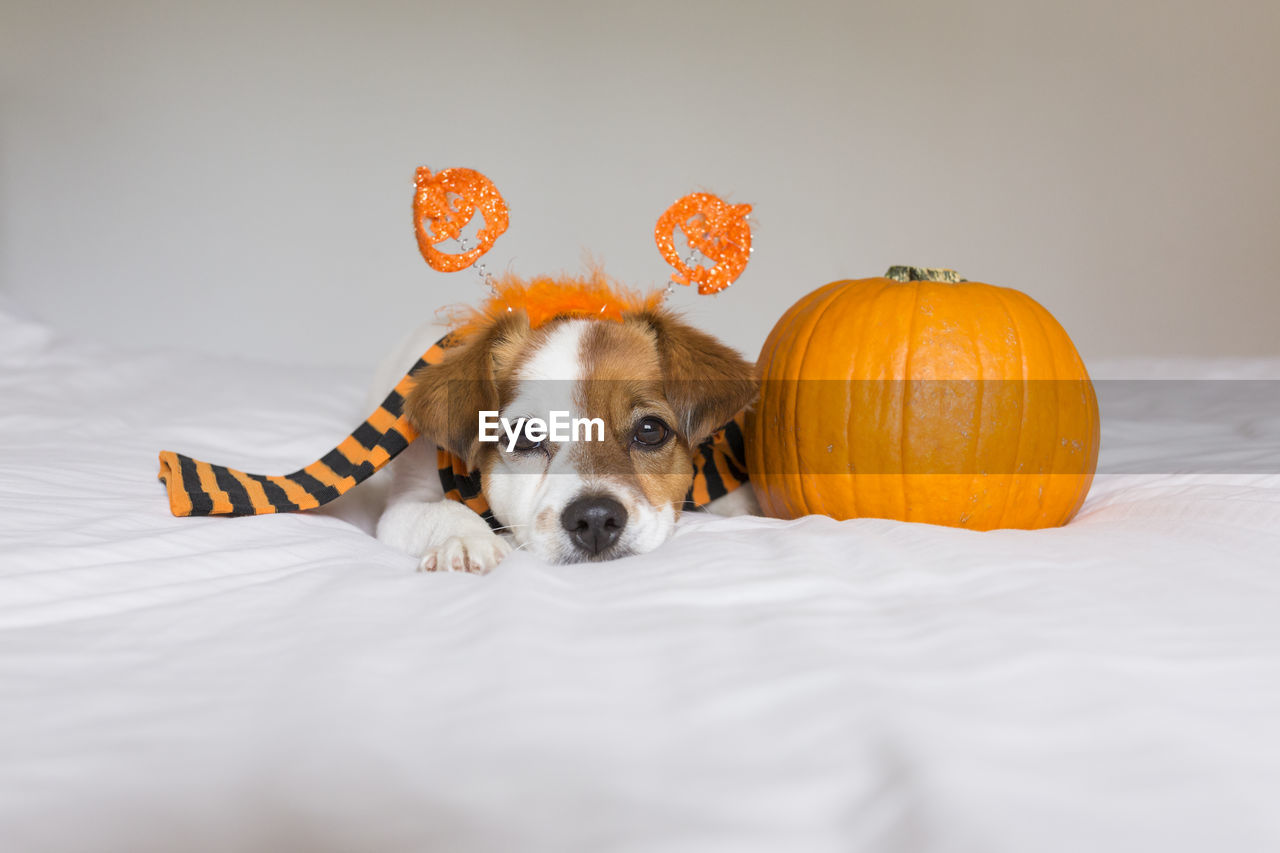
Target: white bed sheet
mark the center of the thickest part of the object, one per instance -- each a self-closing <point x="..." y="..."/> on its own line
<point x="287" y="683"/>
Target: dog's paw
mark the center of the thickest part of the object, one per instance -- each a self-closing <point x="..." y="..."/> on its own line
<point x="474" y="554"/>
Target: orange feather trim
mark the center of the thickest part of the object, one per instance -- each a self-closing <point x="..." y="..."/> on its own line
<point x="544" y="298"/>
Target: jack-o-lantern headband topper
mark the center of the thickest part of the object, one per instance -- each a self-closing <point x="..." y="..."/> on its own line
<point x="445" y="202"/>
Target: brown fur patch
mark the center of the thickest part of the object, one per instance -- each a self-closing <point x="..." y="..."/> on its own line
<point x="706" y="382"/>
<point x="447" y="398"/>
<point x="625" y="383"/>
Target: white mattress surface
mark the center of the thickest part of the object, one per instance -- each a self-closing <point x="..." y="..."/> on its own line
<point x="288" y="683"/>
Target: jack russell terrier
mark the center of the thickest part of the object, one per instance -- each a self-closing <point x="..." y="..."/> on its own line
<point x="646" y="390"/>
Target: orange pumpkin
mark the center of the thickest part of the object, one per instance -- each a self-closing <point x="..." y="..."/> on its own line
<point x="923" y="397"/>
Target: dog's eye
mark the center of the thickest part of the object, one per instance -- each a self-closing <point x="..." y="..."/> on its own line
<point x="523" y="442"/>
<point x="651" y="433"/>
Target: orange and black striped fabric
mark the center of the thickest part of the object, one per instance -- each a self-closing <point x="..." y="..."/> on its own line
<point x="719" y="465"/>
<point x="199" y="488"/>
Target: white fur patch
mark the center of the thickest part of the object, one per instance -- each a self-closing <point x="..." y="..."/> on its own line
<point x="559" y="357"/>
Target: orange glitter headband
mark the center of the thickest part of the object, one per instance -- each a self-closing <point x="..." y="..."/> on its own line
<point x="445" y="202"/>
<point x="712" y="226"/>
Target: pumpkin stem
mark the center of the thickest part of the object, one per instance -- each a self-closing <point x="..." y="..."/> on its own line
<point x="900" y="273"/>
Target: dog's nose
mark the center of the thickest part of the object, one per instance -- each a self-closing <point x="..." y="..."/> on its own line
<point x="594" y="522"/>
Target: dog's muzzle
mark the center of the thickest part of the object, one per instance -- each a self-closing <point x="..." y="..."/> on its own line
<point x="594" y="523"/>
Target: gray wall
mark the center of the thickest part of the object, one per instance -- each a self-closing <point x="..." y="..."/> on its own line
<point x="236" y="175"/>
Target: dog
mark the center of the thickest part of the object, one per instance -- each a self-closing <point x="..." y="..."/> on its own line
<point x="649" y="389"/>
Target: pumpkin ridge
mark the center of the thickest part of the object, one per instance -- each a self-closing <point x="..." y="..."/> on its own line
<point x="1057" y="401"/>
<point x="906" y="379"/>
<point x="1012" y="482"/>
<point x="976" y="477"/>
<point x="851" y="426"/>
<point x="804" y="354"/>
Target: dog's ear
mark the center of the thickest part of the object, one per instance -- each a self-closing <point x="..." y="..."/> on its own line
<point x="447" y="398"/>
<point x="706" y="382"/>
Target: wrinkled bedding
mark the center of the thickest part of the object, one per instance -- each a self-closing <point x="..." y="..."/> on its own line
<point x="288" y="683"/>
